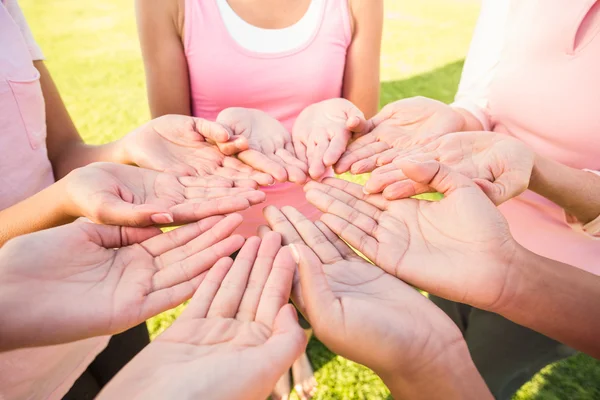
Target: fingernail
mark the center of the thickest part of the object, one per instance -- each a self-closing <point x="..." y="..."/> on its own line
<point x="162" y="218"/>
<point x="295" y="253"/>
<point x="365" y="191"/>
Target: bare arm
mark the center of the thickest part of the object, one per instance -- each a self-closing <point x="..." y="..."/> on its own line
<point x="66" y="149"/>
<point x="361" y="77"/>
<point x="577" y="191"/>
<point x="160" y="28"/>
<point x="555" y="299"/>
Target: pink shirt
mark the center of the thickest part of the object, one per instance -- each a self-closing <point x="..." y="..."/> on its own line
<point x="532" y="72"/>
<point x="44" y="372"/>
<point x="224" y="74"/>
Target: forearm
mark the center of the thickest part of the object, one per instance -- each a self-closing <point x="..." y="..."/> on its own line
<point x="76" y="154"/>
<point x="450" y="376"/>
<point x="555" y="299"/>
<point x="576" y="191"/>
<point x="43" y="210"/>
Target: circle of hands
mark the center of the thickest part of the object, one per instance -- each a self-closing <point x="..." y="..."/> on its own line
<point x="238" y="333"/>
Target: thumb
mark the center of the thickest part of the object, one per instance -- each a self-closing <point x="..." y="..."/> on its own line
<point x="212" y="131"/>
<point x="122" y="213"/>
<point x="504" y="187"/>
<point x="112" y="237"/>
<point x="357" y="123"/>
<point x="316" y="293"/>
<point x="437" y="176"/>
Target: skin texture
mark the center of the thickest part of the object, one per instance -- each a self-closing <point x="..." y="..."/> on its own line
<point x="233" y="341"/>
<point x="123" y="195"/>
<point x="358" y="310"/>
<point x="501" y="165"/>
<point x="100" y="280"/>
<point x="270" y="144"/>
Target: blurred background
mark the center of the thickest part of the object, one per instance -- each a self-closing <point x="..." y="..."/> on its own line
<point x="92" y="51"/>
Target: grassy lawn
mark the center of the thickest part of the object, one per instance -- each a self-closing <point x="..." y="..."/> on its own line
<point x="92" y="51"/>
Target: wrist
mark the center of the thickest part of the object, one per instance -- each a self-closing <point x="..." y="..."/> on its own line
<point x="67" y="206"/>
<point x="450" y="375"/>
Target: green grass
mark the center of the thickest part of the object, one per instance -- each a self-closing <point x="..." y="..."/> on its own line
<point x="93" y="54"/>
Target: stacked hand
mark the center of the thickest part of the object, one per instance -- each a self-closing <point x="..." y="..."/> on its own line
<point x="178" y="144"/>
<point x="270" y="144"/>
<point x="234" y="340"/>
<point x="119" y="194"/>
<point x="458" y="248"/>
<point x="501" y="165"/>
<point x="322" y="131"/>
<point x="82" y="280"/>
<point x="398" y="126"/>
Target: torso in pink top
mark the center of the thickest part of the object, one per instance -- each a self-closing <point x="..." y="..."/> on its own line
<point x="223" y="74"/>
<point x="45" y="372"/>
<point x="546" y="92"/>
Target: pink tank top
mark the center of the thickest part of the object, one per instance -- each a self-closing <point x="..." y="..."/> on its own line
<point x="44" y="372"/>
<point x="546" y="92"/>
<point x="223" y="74"/>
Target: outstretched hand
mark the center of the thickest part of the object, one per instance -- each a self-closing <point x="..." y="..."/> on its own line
<point x="322" y="132"/>
<point x="177" y="144"/>
<point x="501" y="165"/>
<point x="124" y="195"/>
<point x="398" y="126"/>
<point x="459" y="248"/>
<point x="83" y="280"/>
<point x="235" y="339"/>
<point x="270" y="144"/>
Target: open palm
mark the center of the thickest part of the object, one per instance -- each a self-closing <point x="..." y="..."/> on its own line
<point x="357" y="309"/>
<point x="456" y="248"/>
<point x="96" y="279"/>
<point x="501" y="165"/>
<point x="119" y="194"/>
<point x="399" y="125"/>
<point x="233" y="341"/>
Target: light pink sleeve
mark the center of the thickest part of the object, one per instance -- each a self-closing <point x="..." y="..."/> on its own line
<point x="483" y="56"/>
<point x="13" y="8"/>
<point x="592" y="228"/>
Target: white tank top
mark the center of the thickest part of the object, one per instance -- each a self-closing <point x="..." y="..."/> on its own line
<point x="262" y="40"/>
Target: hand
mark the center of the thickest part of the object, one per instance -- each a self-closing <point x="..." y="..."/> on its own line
<point x="365" y="314"/>
<point x="400" y="125"/>
<point x="236" y="338"/>
<point x="174" y="143"/>
<point x="83" y="280"/>
<point x="322" y="131"/>
<point x="124" y="195"/>
<point x="501" y="165"/>
<point x="270" y="144"/>
<point x="459" y="248"/>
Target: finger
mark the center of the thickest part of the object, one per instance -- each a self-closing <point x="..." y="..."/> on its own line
<point x="202" y="241"/>
<point x="353" y="189"/>
<point x="227" y="300"/>
<point x="329" y="204"/>
<point x="261" y="162"/>
<point x="191" y="267"/>
<point x="341" y="246"/>
<point x="316" y="166"/>
<point x="405" y="189"/>
<point x="205" y="193"/>
<point x="349" y="200"/>
<point x="317" y="295"/>
<point x="502" y="189"/>
<point x="111" y="237"/>
<point x="362" y="142"/>
<point x="312" y="236"/>
<point x="436" y="175"/>
<point x="387" y="157"/>
<point x="212" y="131"/>
<point x="359" y="125"/>
<point x="164" y="242"/>
<point x="206" y="182"/>
<point x="279" y="223"/>
<point x="245" y="172"/>
<point x="352" y="235"/>
<point x="352" y="157"/>
<point x="115" y="211"/>
<point x="293" y="173"/>
<point x="364" y="166"/>
<point x="378" y="182"/>
<point x="289" y="157"/>
<point x="276" y="291"/>
<point x="337" y="147"/>
<point x="235" y="145"/>
<point x="300" y="150"/>
<point x="204" y="296"/>
<point x="262" y="231"/>
<point x="269" y="247"/>
<point x="247" y="183"/>
<point x="192" y="211"/>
